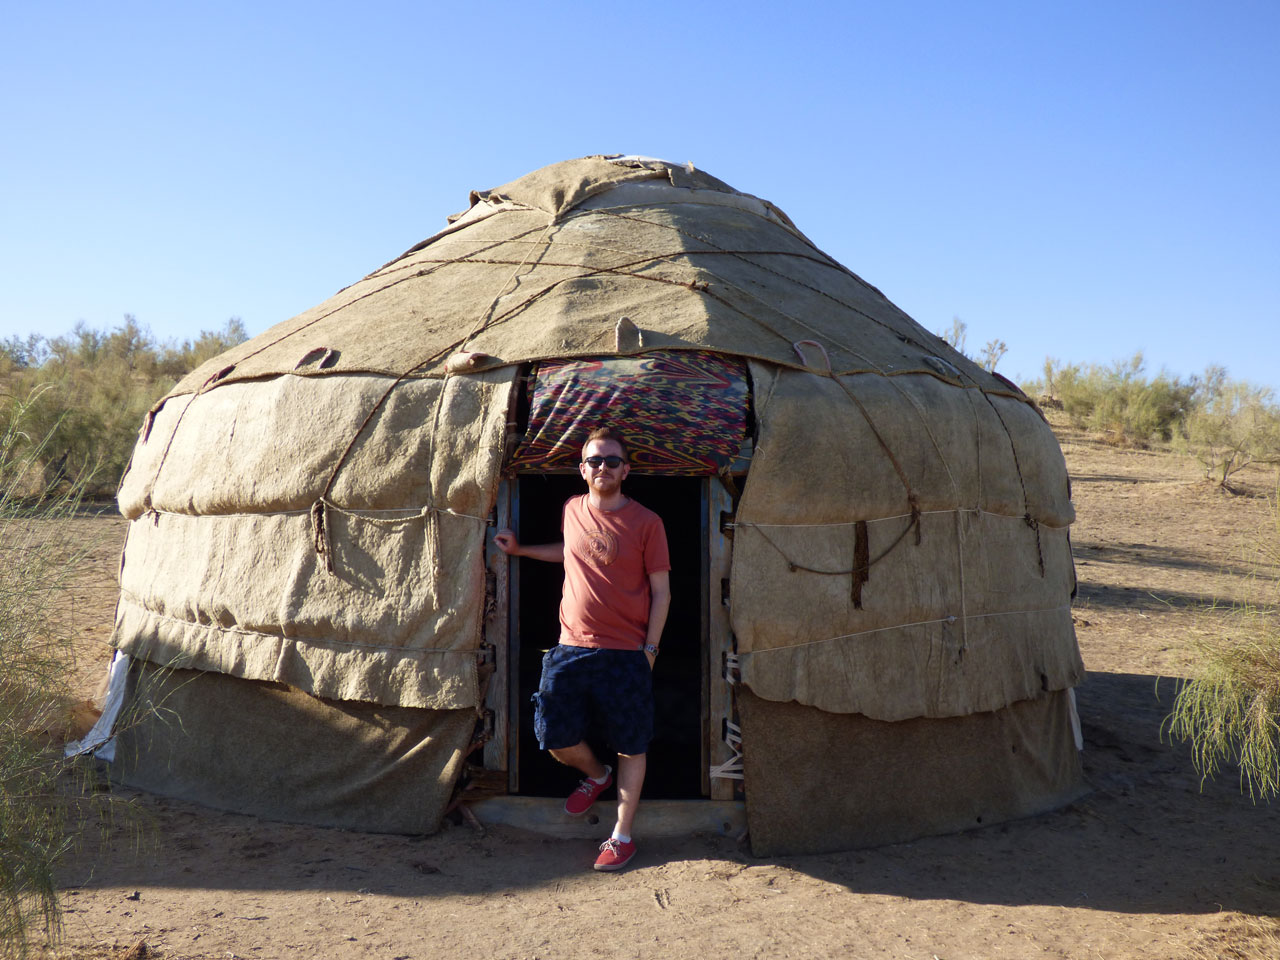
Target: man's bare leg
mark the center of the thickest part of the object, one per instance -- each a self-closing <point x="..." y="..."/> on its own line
<point x="631" y="770"/>
<point x="583" y="758"/>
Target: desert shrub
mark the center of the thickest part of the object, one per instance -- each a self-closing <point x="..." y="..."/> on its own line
<point x="1230" y="711"/>
<point x="991" y="354"/>
<point x="1236" y="424"/>
<point x="958" y="333"/>
<point x="1119" y="400"/>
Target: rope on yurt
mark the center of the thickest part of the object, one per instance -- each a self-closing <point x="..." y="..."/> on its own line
<point x="618" y="270"/>
<point x="1027" y="518"/>
<point x="793" y="566"/>
<point x="940" y="677"/>
<point x="795" y="345"/>
<point x="950" y="618"/>
<point x="366" y="515"/>
<point x="860" y="534"/>
<point x="482" y="322"/>
<point x="912" y="500"/>
<point x="213" y="380"/>
<point x="320" y="509"/>
<point x="899" y="516"/>
<point x="219" y="375"/>
<point x="432" y="521"/>
<point x="488" y="319"/>
<point x="429" y="512"/>
<point x="625" y="270"/>
<point x="824" y="260"/>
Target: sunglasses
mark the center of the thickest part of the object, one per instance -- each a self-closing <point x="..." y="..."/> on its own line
<point x="611" y="461"/>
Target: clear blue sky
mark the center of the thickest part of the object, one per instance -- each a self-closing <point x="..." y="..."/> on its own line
<point x="1080" y="180"/>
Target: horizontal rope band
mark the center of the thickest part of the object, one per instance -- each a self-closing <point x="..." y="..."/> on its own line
<point x="409" y="652"/>
<point x="407" y="513"/>
<point x="902" y="516"/>
<point x="903" y="626"/>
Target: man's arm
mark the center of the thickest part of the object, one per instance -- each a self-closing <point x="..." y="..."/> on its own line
<point x="508" y="544"/>
<point x="659" y="604"/>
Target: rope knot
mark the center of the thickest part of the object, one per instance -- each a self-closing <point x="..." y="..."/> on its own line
<point x="320" y="533"/>
<point x="1034" y="524"/>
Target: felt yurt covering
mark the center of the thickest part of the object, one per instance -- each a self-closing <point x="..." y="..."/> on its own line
<point x="304" y="585"/>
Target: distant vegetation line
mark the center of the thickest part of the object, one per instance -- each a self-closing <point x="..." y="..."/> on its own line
<point x="1226" y="424"/>
<point x="84" y="396"/>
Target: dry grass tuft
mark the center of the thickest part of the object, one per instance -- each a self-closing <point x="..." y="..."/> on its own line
<point x="39" y="557"/>
<point x="1242" y="937"/>
<point x="1230" y="711"/>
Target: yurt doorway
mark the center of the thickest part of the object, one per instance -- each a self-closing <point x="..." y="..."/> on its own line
<point x="677" y="755"/>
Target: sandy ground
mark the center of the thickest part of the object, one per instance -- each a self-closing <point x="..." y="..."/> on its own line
<point x="1149" y="864"/>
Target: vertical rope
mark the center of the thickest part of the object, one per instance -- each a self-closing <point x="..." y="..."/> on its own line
<point x="486" y="315"/>
<point x="320" y="533"/>
<point x="861" y="562"/>
<point x="912" y="500"/>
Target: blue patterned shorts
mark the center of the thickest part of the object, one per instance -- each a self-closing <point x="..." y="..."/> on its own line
<point x="589" y="692"/>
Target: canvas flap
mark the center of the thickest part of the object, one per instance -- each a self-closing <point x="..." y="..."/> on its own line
<point x="272" y="751"/>
<point x="956" y="601"/>
<point x="239" y="561"/>
<point x="895" y="782"/>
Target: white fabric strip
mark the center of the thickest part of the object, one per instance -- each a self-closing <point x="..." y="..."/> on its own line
<point x="100" y="741"/>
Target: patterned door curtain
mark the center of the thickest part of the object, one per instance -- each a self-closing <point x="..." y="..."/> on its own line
<point x="682" y="412"/>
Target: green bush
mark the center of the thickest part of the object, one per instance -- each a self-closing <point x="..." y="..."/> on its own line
<point x="1236" y="424"/>
<point x="1119" y="400"/>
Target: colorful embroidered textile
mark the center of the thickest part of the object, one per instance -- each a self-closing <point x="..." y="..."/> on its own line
<point x="682" y="412"/>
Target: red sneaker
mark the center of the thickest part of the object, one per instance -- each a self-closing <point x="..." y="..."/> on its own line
<point x="614" y="854"/>
<point x="585" y="795"/>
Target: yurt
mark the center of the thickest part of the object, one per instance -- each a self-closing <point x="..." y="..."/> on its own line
<point x="870" y="638"/>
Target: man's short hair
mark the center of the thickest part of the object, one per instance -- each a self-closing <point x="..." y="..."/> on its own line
<point x="607" y="433"/>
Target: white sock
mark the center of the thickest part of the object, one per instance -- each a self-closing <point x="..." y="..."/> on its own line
<point x="620" y="836"/>
<point x="607" y="770"/>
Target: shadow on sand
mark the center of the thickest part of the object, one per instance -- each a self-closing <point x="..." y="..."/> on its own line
<point x="1145" y="840"/>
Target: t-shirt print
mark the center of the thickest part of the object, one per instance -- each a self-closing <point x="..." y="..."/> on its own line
<point x="598" y="547"/>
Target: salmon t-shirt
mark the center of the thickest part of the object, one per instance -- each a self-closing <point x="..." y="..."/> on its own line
<point x="608" y="556"/>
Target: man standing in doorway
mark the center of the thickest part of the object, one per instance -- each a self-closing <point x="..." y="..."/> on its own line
<point x="616" y="596"/>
